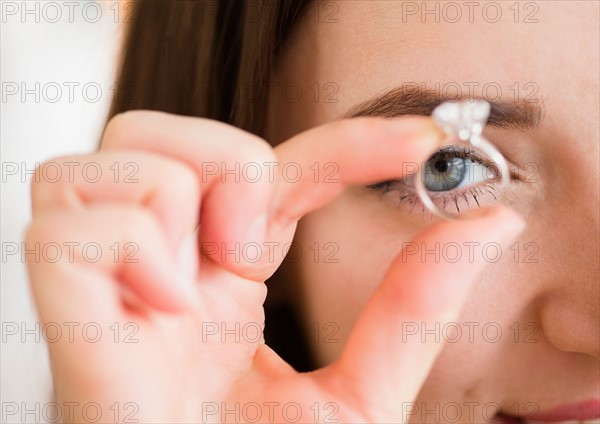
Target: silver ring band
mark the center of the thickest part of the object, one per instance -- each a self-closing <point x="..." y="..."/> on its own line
<point x="472" y="136"/>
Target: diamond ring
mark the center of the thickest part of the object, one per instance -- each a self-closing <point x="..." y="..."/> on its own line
<point x="463" y="122"/>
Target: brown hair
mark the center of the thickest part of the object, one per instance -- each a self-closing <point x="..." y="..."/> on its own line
<point x="197" y="58"/>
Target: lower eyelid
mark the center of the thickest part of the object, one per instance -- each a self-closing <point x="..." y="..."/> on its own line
<point x="459" y="199"/>
<point x="404" y="188"/>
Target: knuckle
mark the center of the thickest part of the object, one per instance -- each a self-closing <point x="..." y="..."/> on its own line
<point x="356" y="131"/>
<point x="256" y="149"/>
<point x="55" y="186"/>
<point x="248" y="146"/>
<point x="180" y="179"/>
<point x="138" y="223"/>
<point x="41" y="186"/>
<point x="44" y="230"/>
<point x="122" y="124"/>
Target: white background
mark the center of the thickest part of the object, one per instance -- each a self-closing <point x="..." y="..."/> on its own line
<point x="74" y="49"/>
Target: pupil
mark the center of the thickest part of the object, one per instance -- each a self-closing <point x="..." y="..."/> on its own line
<point x="444" y="173"/>
<point x="441" y="165"/>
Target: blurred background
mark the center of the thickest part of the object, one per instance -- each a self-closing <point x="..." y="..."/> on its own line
<point x="58" y="62"/>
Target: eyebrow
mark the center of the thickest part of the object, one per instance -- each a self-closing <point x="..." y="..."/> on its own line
<point x="412" y="100"/>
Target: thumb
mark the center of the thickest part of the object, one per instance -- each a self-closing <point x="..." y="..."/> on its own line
<point x="380" y="365"/>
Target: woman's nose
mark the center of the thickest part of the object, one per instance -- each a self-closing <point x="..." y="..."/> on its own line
<point x="569" y="297"/>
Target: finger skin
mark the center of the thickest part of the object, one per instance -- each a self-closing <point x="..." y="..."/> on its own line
<point x="231" y="201"/>
<point x="352" y="151"/>
<point x="117" y="246"/>
<point x="376" y="371"/>
<point x="167" y="187"/>
<point x="236" y="211"/>
<point x="427" y="292"/>
<point x="86" y="291"/>
<point x="329" y="158"/>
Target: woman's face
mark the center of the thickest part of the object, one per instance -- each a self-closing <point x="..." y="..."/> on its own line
<point x="528" y="338"/>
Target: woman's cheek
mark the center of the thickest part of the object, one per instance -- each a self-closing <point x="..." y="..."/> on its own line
<point x="345" y="250"/>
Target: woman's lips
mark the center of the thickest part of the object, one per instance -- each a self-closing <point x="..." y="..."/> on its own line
<point x="587" y="412"/>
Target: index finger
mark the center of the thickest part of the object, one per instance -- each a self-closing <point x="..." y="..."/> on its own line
<point x="353" y="151"/>
<point x="231" y="204"/>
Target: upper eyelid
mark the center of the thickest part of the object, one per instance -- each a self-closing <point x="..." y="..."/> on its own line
<point x="462" y="152"/>
<point x="457" y="149"/>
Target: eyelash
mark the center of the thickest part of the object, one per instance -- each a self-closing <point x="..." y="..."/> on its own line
<point x="408" y="194"/>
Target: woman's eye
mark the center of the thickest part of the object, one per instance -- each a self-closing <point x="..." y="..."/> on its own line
<point x="445" y="173"/>
<point x="453" y="175"/>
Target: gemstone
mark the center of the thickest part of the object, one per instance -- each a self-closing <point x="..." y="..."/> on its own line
<point x="462" y="119"/>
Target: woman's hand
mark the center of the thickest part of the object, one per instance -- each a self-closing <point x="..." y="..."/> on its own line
<point x="195" y="305"/>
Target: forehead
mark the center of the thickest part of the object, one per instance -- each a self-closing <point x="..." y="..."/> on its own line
<point x="515" y="50"/>
<point x="500" y="37"/>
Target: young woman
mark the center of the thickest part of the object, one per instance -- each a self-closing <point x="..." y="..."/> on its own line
<point x="399" y="316"/>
